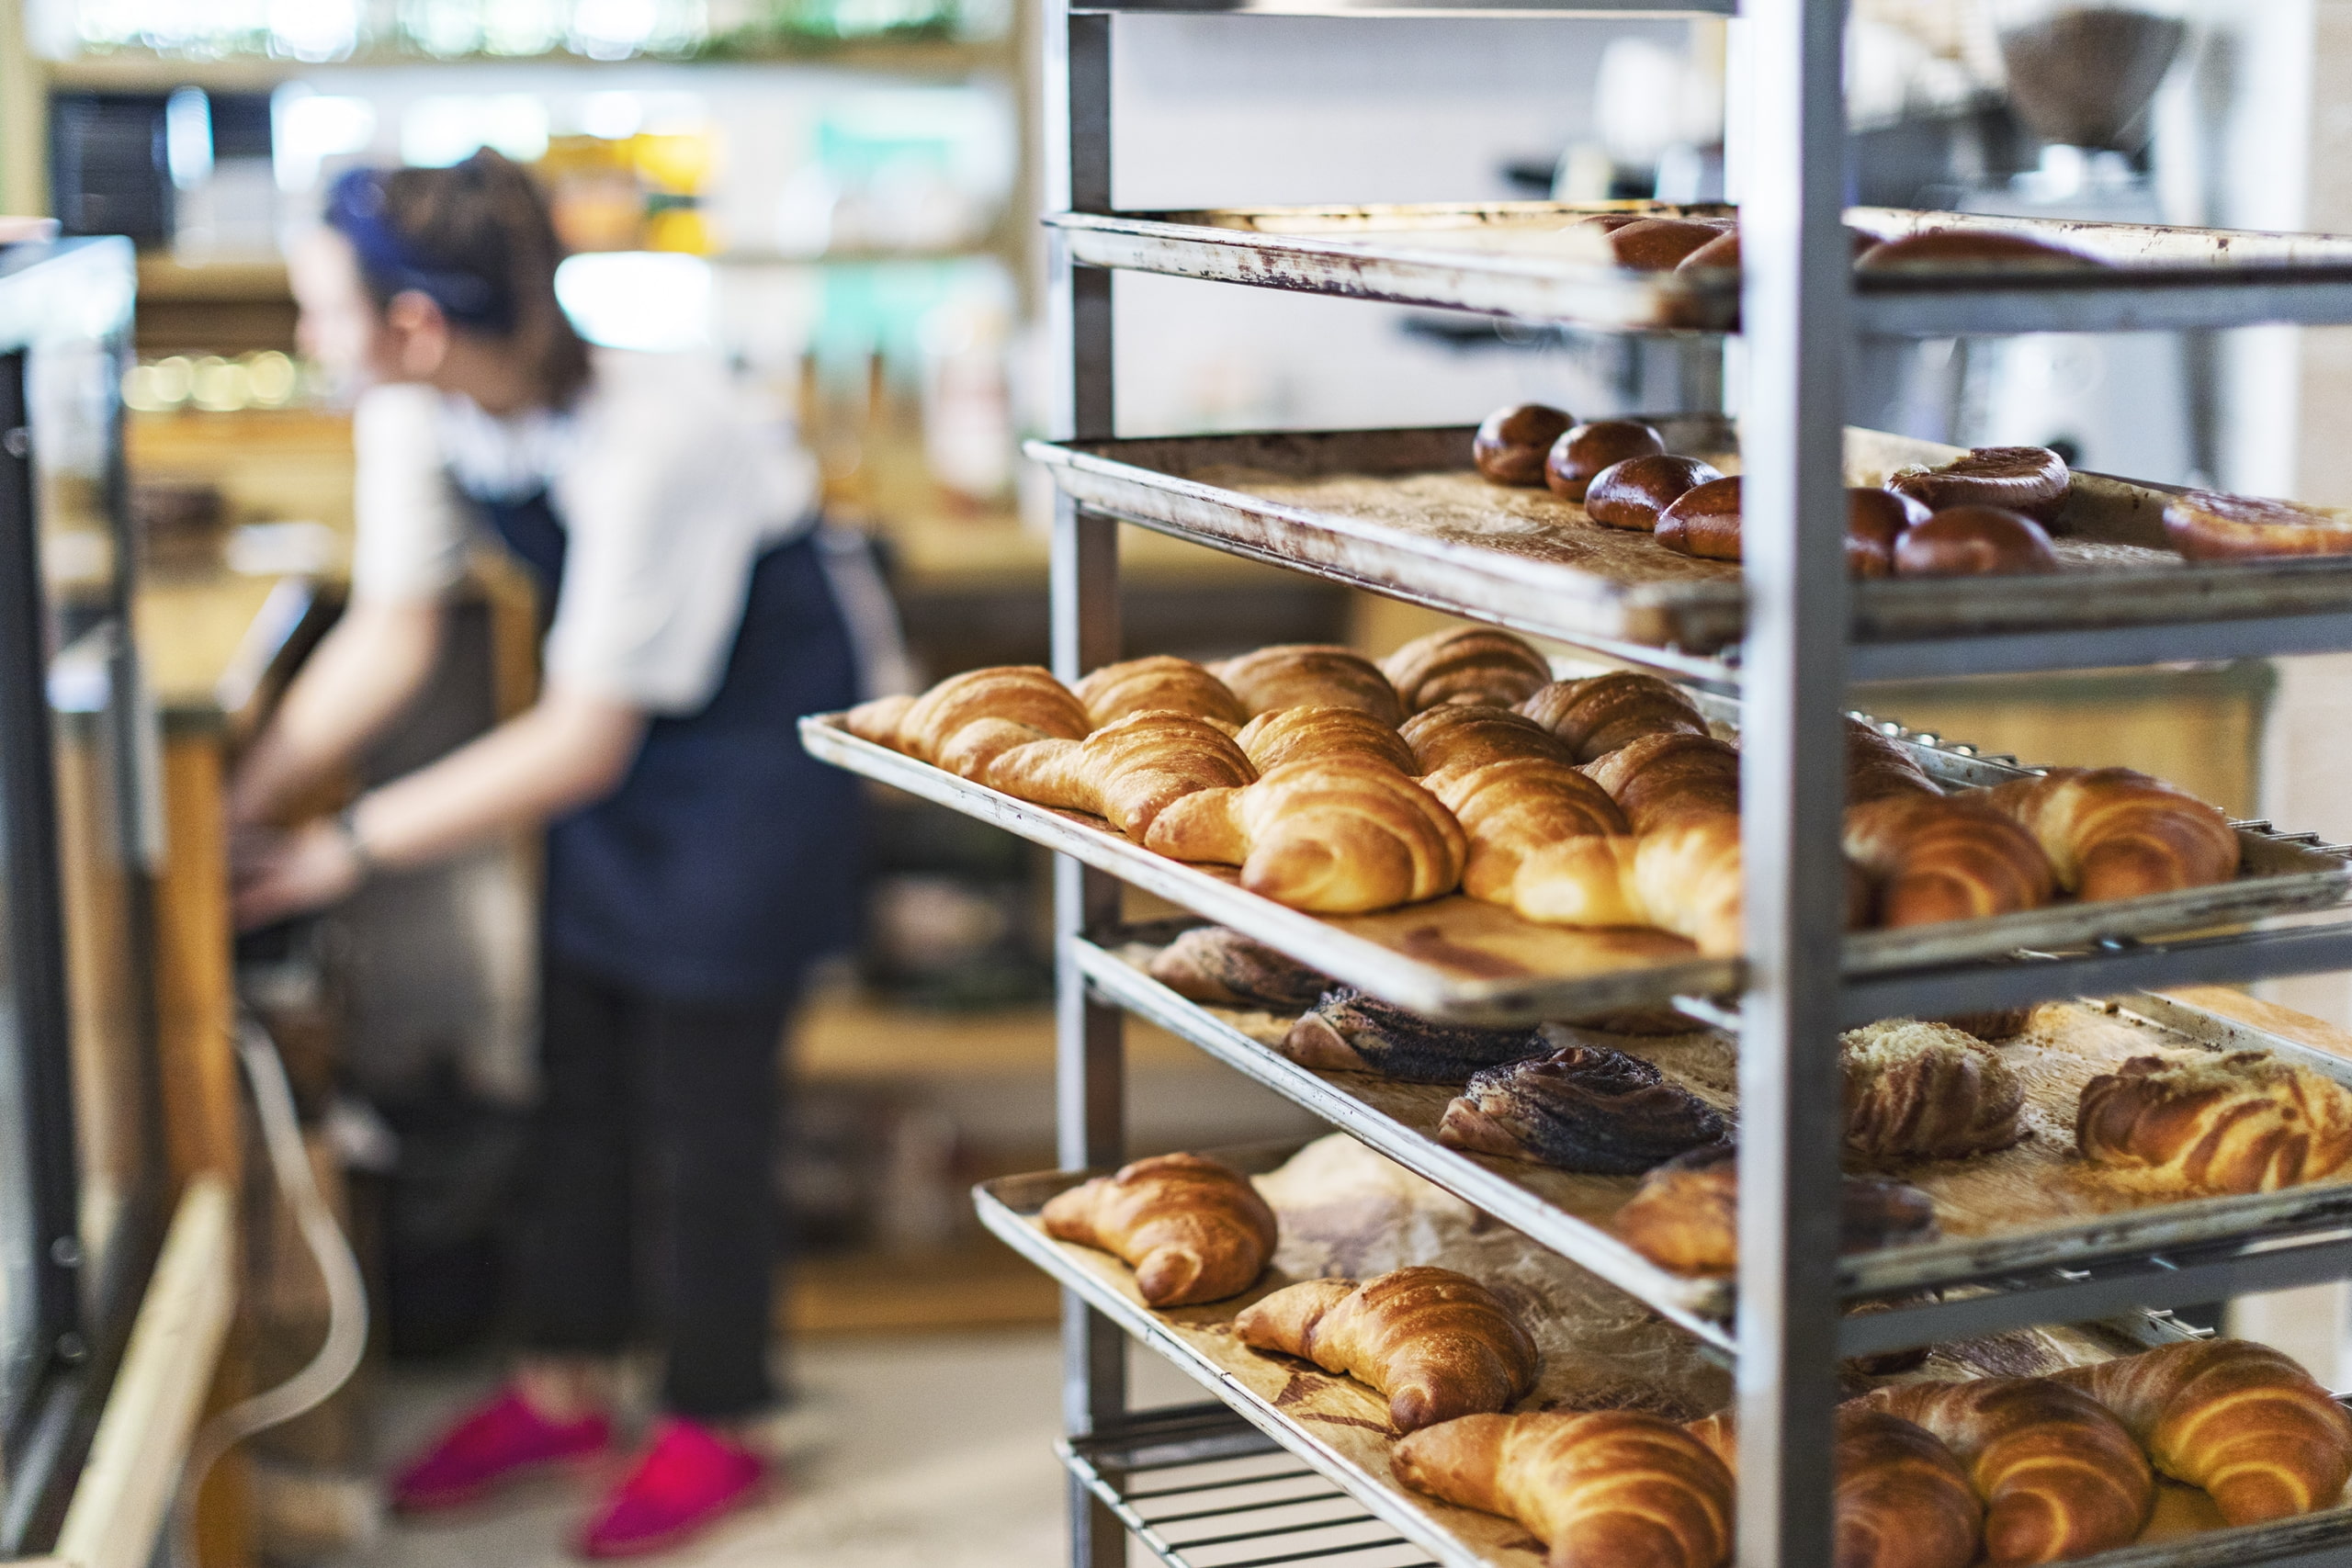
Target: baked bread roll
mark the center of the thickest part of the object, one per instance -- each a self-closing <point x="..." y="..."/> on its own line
<point x="1611" y="1489"/>
<point x="1598" y="715"/>
<point x="1935" y="858"/>
<point x="2205" y="524"/>
<point x="1459" y="737"/>
<point x="878" y="720"/>
<point x="1323" y="735"/>
<point x="1333" y="837"/>
<point x="1128" y="771"/>
<point x="1579" y="456"/>
<point x="1510" y="446"/>
<point x="1466" y="664"/>
<point x="2060" y="1476"/>
<point x="1875" y="520"/>
<point x="1938" y="250"/>
<point x="1631" y="493"/>
<point x="1518" y="808"/>
<point x="2242" y="1420"/>
<point x="1437" y="1343"/>
<point x="1308" y="675"/>
<point x="1670" y="779"/>
<point x="1586" y="1109"/>
<point x="1685" y="1215"/>
<point x="1193" y="1228"/>
<point x="2114" y="833"/>
<point x="1722" y="253"/>
<point x="1878" y="766"/>
<point x="1160" y="683"/>
<point x="2243" y="1121"/>
<point x="1974" y="541"/>
<point x="1224" y="968"/>
<point x="1017" y="694"/>
<point x="1919" y="1090"/>
<point x="2029" y="479"/>
<point x="1901" y="1500"/>
<point x="1703" y="521"/>
<point x="1659" y="245"/>
<point x="1350" y="1032"/>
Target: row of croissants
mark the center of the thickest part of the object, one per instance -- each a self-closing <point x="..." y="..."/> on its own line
<point x="1340" y="786"/>
<point x="1929" y="1474"/>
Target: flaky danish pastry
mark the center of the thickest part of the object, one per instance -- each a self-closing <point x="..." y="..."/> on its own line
<point x="1127" y="771"/>
<point x="1349" y="1031"/>
<point x="1159" y="681"/>
<point x="2243" y="1121"/>
<point x="1598" y="715"/>
<point x="1437" y="1343"/>
<point x="2115" y="833"/>
<point x="1193" y="1228"/>
<point x="1586" y="1108"/>
<point x="2242" y="1420"/>
<point x="1318" y="734"/>
<point x="1335" y="838"/>
<point x="1926" y="1091"/>
<point x="1466" y="664"/>
<point x="1607" y="1489"/>
<point x="1308" y="675"/>
<point x="1224" y="968"/>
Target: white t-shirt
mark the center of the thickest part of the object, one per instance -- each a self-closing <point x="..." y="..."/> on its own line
<point x="667" y="490"/>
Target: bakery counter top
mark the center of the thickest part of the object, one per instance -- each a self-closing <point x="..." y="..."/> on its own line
<point x="215" y="647"/>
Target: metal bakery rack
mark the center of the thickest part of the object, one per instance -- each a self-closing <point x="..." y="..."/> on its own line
<point x="1237" y="1485"/>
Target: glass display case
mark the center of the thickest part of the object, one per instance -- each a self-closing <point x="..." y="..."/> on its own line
<point x="82" y="1169"/>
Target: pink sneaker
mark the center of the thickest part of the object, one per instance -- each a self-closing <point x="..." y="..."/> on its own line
<point x="689" y="1478"/>
<point x="493" y="1443"/>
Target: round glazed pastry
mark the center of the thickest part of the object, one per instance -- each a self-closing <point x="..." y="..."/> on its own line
<point x="1974" y="541"/>
<point x="1962" y="247"/>
<point x="1658" y="245"/>
<point x="1875" y="520"/>
<point x="1703" y="521"/>
<point x="1631" y="493"/>
<point x="2032" y="479"/>
<point x="1510" y="447"/>
<point x="2204" y="525"/>
<point x="1580" y="455"/>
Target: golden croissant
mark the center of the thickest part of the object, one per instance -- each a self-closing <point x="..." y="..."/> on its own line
<point x="1612" y="1489"/>
<point x="2242" y="1420"/>
<point x="1310" y="675"/>
<point x="1193" y="1228"/>
<point x="1597" y="715"/>
<point x="1877" y="764"/>
<point x="1901" y="1500"/>
<point x="1158" y="683"/>
<point x="1129" y="771"/>
<point x="1016" y="694"/>
<point x="1437" y="1343"/>
<point x="1685" y="880"/>
<point x="1670" y="779"/>
<point x="1517" y="808"/>
<point x="2114" y="833"/>
<point x="1931" y="858"/>
<point x="1466" y="664"/>
<point x="1333" y="837"/>
<point x="1467" y="735"/>
<point x="1324" y="735"/>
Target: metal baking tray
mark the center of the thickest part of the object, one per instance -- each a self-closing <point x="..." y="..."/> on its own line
<point x="1513" y="1191"/>
<point x="1508" y="259"/>
<point x="1461" y="1537"/>
<point x="1457" y="958"/>
<point x="1403" y="514"/>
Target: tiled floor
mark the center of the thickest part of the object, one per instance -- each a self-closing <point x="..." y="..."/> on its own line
<point x="918" y="1452"/>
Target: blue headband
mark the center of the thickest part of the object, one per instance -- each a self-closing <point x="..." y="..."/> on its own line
<point x="391" y="264"/>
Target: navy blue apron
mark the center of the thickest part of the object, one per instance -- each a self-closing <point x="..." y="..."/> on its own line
<point x="727" y="858"/>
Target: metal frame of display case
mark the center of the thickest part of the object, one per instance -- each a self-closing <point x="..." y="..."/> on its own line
<point x="1802" y="318"/>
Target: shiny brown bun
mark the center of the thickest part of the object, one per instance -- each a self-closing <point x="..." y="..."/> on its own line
<point x="2031" y="479"/>
<point x="1938" y="248"/>
<point x="1723" y="252"/>
<point x="1510" y="446"/>
<point x="1631" y="493"/>
<point x="1875" y="520"/>
<point x="1658" y="245"/>
<point x="2204" y="525"/>
<point x="1577" y="457"/>
<point x="1974" y="541"/>
<point x="1703" y="521"/>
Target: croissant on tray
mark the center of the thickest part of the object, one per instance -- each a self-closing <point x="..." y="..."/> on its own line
<point x="2058" y="1475"/>
<point x="1016" y="694"/>
<point x="1926" y="1091"/>
<point x="1609" y="1489"/>
<point x="1324" y="735"/>
<point x="1333" y="837"/>
<point x="2241" y="1122"/>
<point x="1931" y="858"/>
<point x="1685" y="1215"/>
<point x="2242" y="1420"/>
<point x="2115" y="833"/>
<point x="1597" y="715"/>
<point x="1159" y="681"/>
<point x="1128" y="771"/>
<point x="1469" y="735"/>
<point x="1877" y="764"/>
<point x="1901" y="1500"/>
<point x="1669" y="780"/>
<point x="1517" y="811"/>
<point x="1193" y="1228"/>
<point x="1310" y="675"/>
<point x="1685" y="880"/>
<point x="1437" y="1343"/>
<point x="1466" y="664"/>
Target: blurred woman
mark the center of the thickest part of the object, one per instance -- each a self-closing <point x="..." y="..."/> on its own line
<point x="696" y="859"/>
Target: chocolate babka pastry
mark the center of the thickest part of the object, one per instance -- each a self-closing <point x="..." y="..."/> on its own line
<point x="1685" y="1215"/>
<point x="1586" y="1109"/>
<point x="1350" y="1031"/>
<point x="1224" y="968"/>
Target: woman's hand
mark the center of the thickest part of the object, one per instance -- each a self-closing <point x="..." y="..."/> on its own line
<point x="276" y="875"/>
